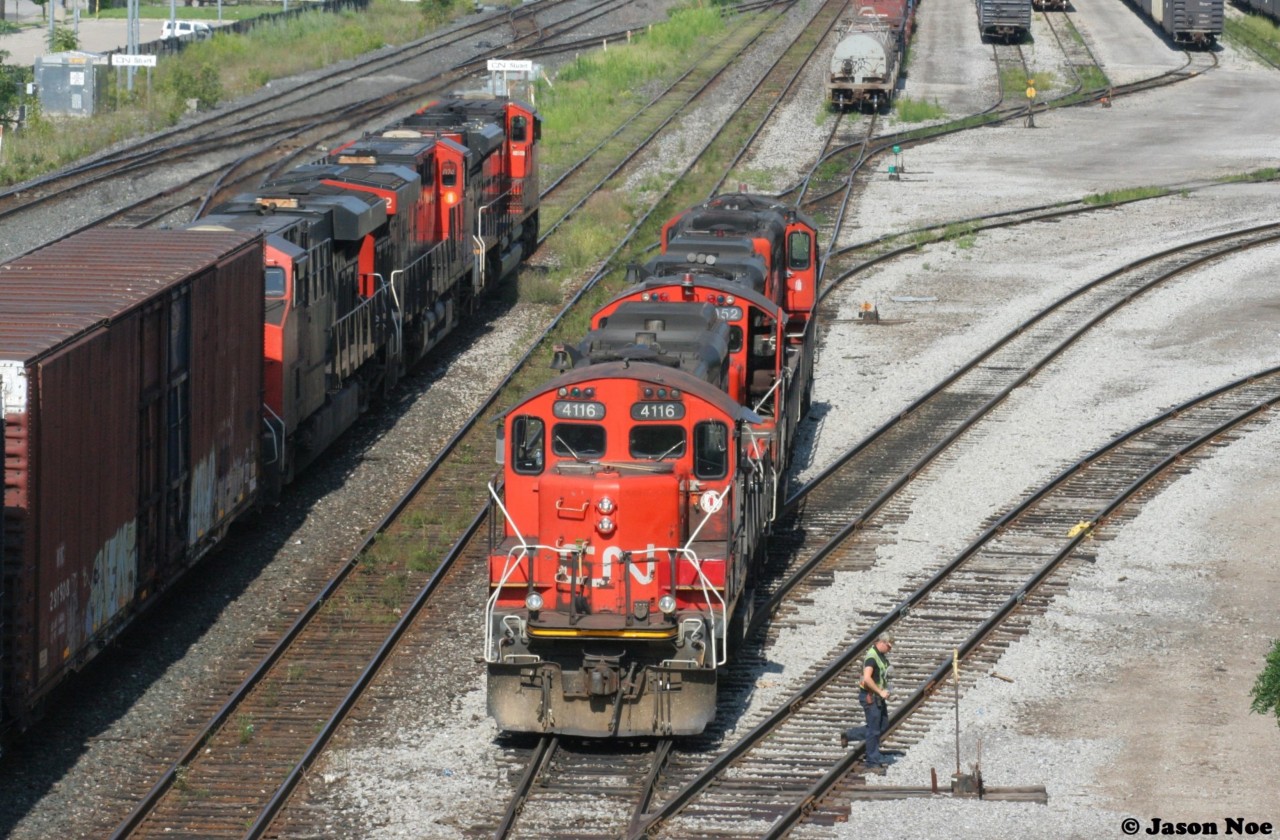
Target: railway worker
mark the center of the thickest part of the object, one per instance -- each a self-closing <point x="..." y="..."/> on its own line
<point x="873" y="695"/>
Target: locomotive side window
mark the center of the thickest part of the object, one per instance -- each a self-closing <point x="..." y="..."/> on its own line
<point x="526" y="445"/>
<point x="577" y="440"/>
<point x="519" y="129"/>
<point x="710" y="450"/>
<point x="735" y="338"/>
<point x="273" y="277"/>
<point x="655" y="443"/>
<point x="449" y="177"/>
<point x="798" y="246"/>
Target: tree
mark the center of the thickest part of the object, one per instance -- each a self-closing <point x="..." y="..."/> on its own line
<point x="1266" y="691"/>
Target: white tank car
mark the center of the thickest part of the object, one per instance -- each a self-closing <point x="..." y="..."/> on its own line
<point x="864" y="67"/>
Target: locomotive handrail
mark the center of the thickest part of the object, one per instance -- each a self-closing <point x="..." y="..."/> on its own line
<point x="508" y="569"/>
<point x="277" y="446"/>
<point x="708" y="591"/>
<point x="719" y="654"/>
<point x="345" y="330"/>
<point x="776" y="382"/>
<point x="397" y="309"/>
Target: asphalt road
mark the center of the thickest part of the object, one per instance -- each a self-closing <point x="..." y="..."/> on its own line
<point x="95" y="35"/>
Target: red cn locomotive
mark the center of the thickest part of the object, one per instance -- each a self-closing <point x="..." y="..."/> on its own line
<point x="639" y="485"/>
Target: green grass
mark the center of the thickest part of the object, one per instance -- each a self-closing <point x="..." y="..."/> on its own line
<point x="1271" y="173"/>
<point x="831" y="169"/>
<point x="1256" y="32"/>
<point x="917" y="110"/>
<point x="1013" y="82"/>
<point x="1121" y="196"/>
<point x="618" y="80"/>
<point x="1092" y="78"/>
<point x="538" y="288"/>
<point x="758" y="180"/>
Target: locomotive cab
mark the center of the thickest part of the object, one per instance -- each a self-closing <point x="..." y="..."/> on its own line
<point x="621" y="532"/>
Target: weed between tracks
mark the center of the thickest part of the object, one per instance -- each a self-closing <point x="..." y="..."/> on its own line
<point x="1119" y="196"/>
<point x="917" y="110"/>
<point x="1258" y="175"/>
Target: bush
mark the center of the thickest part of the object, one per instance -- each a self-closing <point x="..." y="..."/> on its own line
<point x="200" y="83"/>
<point x="64" y="40"/>
<point x="1266" y="691"/>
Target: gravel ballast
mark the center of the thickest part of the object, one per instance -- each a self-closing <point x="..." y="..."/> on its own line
<point x="1129" y="695"/>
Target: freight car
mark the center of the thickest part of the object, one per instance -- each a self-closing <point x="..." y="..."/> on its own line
<point x="1193" y="22"/>
<point x="158" y="385"/>
<point x="639" y="485"/>
<point x="1004" y="20"/>
<point x="867" y="60"/>
<point x="132" y="387"/>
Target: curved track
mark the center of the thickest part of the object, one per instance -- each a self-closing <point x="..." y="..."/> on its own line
<point x="792" y="756"/>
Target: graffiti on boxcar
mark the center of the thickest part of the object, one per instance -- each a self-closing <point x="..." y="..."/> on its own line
<point x="215" y="497"/>
<point x="115" y="575"/>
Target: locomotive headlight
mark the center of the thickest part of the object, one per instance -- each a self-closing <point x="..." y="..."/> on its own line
<point x="533" y="602"/>
<point x="606" y="506"/>
<point x="606" y="526"/>
<point x="667" y="603"/>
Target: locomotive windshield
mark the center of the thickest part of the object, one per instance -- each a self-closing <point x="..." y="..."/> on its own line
<point x="710" y="450"/>
<point x="656" y="443"/>
<point x="526" y="445"/>
<point x="577" y="440"/>
<point x="798" y="251"/>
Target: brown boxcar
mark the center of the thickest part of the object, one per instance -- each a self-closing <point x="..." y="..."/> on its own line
<point x="131" y="374"/>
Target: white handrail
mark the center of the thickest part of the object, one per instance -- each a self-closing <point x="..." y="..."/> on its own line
<point x="517" y="555"/>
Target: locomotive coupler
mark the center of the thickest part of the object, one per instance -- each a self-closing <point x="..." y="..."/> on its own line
<point x="603" y="674"/>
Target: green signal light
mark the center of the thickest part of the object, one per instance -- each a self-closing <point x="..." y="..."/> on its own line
<point x="897" y="150"/>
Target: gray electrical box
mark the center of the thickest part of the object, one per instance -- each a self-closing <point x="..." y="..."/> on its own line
<point x="72" y="83"/>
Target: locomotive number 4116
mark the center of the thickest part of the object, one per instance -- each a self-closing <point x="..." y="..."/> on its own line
<point x="571" y="410"/>
<point x="657" y="411"/>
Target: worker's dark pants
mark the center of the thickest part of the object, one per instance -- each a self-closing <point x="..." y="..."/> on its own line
<point x="877" y="712"/>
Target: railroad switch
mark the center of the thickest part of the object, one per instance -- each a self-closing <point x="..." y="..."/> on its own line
<point x="964" y="784"/>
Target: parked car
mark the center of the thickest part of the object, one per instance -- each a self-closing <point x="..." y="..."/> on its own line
<point x="188" y="30"/>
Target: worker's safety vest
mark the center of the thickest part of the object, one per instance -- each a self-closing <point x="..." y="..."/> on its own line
<point x="881" y="666"/>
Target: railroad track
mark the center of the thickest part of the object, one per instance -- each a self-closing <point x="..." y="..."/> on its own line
<point x="737" y="683"/>
<point x="1076" y="55"/>
<point x="866" y="478"/>
<point x="278" y="144"/>
<point x="237" y="121"/>
<point x="827" y="530"/>
<point x="854" y="155"/>
<point x="607" y="783"/>
<point x="792" y="757"/>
